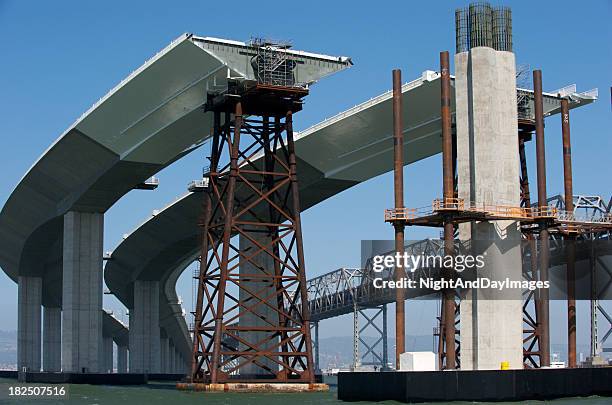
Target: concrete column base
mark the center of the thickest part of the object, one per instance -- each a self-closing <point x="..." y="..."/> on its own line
<point x="263" y="315"/>
<point x="52" y="339"/>
<point x="122" y="359"/>
<point x="29" y="298"/>
<point x="108" y="354"/>
<point x="144" y="328"/>
<point x="171" y="358"/>
<point x="164" y="348"/>
<point x="82" y="292"/>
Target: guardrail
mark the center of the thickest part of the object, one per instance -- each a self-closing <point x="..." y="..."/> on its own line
<point x="442" y="205"/>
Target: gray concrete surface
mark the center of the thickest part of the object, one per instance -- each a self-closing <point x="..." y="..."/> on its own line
<point x="52" y="339"/>
<point x="29" y="298"/>
<point x="82" y="292"/>
<point x="144" y="328"/>
<point x="262" y="313"/>
<point x="122" y="359"/>
<point x="488" y="173"/>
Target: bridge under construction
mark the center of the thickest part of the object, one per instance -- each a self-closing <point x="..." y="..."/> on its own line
<point x="257" y="311"/>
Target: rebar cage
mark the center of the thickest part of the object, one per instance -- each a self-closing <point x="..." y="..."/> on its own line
<point x="480" y="24"/>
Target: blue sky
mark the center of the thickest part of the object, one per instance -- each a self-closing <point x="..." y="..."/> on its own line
<point x="59" y="57"/>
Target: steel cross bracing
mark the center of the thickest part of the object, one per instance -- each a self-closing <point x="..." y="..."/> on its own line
<point x="439" y="334"/>
<point x="594" y="209"/>
<point x="532" y="354"/>
<point x="244" y="294"/>
<point x="373" y="326"/>
<point x="335" y="293"/>
<point x="314" y="334"/>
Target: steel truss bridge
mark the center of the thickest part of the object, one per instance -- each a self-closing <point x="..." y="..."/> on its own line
<point x="351" y="291"/>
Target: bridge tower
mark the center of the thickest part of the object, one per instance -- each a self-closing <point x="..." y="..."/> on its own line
<point x="252" y="321"/>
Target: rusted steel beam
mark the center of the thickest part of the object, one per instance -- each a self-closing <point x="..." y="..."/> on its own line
<point x="544" y="325"/>
<point x="448" y="300"/>
<point x="540" y="147"/>
<point x="398" y="187"/>
<point x="533" y="337"/>
<point x="227" y="234"/>
<point x="299" y="246"/>
<point x="269" y="173"/>
<point x="207" y="210"/>
<point x="248" y="200"/>
<point x="570" y="243"/>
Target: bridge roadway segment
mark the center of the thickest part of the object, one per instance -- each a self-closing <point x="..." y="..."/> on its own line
<point x="51" y="226"/>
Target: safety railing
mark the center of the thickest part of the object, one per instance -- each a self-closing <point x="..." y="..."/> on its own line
<point x="448" y="204"/>
<point x="399" y="214"/>
<point x="441" y="205"/>
<point x="543" y="212"/>
<point x="570" y="216"/>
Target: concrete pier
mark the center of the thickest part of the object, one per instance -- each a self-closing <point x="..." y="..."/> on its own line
<point x="122" y="359"/>
<point x="82" y="292"/>
<point x="52" y="339"/>
<point x="164" y="353"/>
<point x="262" y="315"/>
<point x="171" y="357"/>
<point x="180" y="366"/>
<point x="107" y="354"/>
<point x="144" y="328"/>
<point x="29" y="297"/>
<point x="488" y="173"/>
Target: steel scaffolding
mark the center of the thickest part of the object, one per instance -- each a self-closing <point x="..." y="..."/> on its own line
<point x="259" y="203"/>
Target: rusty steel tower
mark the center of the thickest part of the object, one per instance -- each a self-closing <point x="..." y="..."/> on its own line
<point x="251" y="317"/>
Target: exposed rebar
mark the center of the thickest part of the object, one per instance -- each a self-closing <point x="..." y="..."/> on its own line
<point x="480" y="24"/>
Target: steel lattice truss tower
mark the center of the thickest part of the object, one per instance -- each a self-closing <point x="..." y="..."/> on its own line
<point x="251" y="309"/>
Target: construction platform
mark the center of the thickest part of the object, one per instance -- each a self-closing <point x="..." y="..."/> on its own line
<point x="479" y="385"/>
<point x="531" y="218"/>
<point x="253" y="387"/>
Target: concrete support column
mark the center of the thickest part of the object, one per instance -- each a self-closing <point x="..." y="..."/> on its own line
<point x="122" y="359"/>
<point x="82" y="292"/>
<point x="180" y="366"/>
<point x="262" y="315"/>
<point x="171" y="357"/>
<point x="488" y="173"/>
<point x="108" y="354"/>
<point x="144" y="328"/>
<point x="29" y="298"/>
<point x="52" y="339"/>
<point x="164" y="353"/>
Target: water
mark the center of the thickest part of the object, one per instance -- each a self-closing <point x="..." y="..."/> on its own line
<point x="165" y="393"/>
